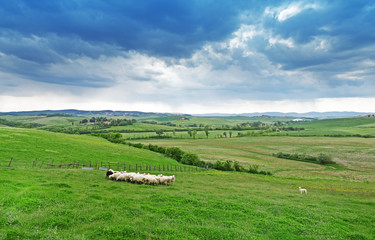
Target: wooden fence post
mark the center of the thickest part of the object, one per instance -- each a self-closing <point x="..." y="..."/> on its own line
<point x="136" y="167"/>
<point x="11" y="159"/>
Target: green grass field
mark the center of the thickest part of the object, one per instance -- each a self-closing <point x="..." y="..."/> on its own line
<point x="24" y="145"/>
<point x="39" y="203"/>
<point x="76" y="204"/>
<point x="355" y="156"/>
<point x="341" y="126"/>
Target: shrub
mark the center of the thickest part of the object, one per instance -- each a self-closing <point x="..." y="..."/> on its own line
<point x="324" y="159"/>
<point x="175" y="153"/>
<point x="228" y="166"/>
<point x="253" y="169"/>
<point x="190" y="159"/>
<point x="237" y="166"/>
<point x="321" y="159"/>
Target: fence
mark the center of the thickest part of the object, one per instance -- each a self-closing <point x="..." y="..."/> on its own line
<point x="118" y="166"/>
<point x="7" y="164"/>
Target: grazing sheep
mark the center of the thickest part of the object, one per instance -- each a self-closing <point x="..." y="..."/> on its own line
<point x="137" y="178"/>
<point x="110" y="172"/>
<point x="140" y="178"/>
<point x="302" y="190"/>
<point x="114" y="175"/>
<point x="121" y="177"/>
<point x="151" y="179"/>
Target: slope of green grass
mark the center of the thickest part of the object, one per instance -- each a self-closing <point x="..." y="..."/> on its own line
<point x="340" y="126"/>
<point x="24" y="145"/>
<point x="77" y="204"/>
<point x="48" y="121"/>
<point x="216" y="121"/>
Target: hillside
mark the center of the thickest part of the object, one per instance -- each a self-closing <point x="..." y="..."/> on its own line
<point x="361" y="126"/>
<point x="24" y="145"/>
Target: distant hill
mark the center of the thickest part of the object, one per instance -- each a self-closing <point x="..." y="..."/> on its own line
<point x="84" y="113"/>
<point x="291" y="114"/>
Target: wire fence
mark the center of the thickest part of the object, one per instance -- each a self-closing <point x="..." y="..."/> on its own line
<point x="116" y="166"/>
<point x="7" y="164"/>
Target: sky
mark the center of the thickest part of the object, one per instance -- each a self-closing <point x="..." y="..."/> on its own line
<point x="187" y="56"/>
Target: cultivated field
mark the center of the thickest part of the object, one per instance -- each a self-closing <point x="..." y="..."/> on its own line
<point x="355" y="156"/>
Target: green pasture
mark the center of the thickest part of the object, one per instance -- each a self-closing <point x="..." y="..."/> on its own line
<point x="341" y="126"/>
<point x="48" y="121"/>
<point x="355" y="157"/>
<point x="216" y="121"/>
<point x="78" y="204"/>
<point x="185" y="135"/>
<point x="24" y="145"/>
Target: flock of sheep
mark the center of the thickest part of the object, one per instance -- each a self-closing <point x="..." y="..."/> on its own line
<point x="144" y="178"/>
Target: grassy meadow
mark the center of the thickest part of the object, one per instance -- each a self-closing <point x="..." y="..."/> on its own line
<point x="76" y="204"/>
<point x="40" y="203"/>
<point x="355" y="157"/>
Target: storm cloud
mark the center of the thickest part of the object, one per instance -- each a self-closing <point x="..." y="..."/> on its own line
<point x="181" y="55"/>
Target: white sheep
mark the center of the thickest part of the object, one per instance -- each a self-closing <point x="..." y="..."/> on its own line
<point x="110" y="172"/>
<point x="302" y="190"/>
<point x="121" y="177"/>
<point x="151" y="179"/>
<point x="140" y="178"/>
<point x="115" y="175"/>
<point x="137" y="178"/>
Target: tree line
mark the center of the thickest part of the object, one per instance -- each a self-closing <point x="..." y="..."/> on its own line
<point x="19" y="124"/>
<point x="109" y="122"/>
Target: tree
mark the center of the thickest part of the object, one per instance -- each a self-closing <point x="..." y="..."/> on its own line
<point x="194" y="133"/>
<point x="189" y="132"/>
<point x="159" y="132"/>
<point x="206" y="131"/>
<point x="230" y="134"/>
<point x="225" y="134"/>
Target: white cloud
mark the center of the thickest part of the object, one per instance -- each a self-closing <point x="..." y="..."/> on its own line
<point x="354" y="75"/>
<point x="285" y="12"/>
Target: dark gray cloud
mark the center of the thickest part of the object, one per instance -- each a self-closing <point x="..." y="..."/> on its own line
<point x="190" y="51"/>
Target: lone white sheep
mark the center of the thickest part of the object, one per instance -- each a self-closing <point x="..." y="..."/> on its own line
<point x="302" y="190"/>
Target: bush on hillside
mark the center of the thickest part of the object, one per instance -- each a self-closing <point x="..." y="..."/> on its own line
<point x="321" y="159"/>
